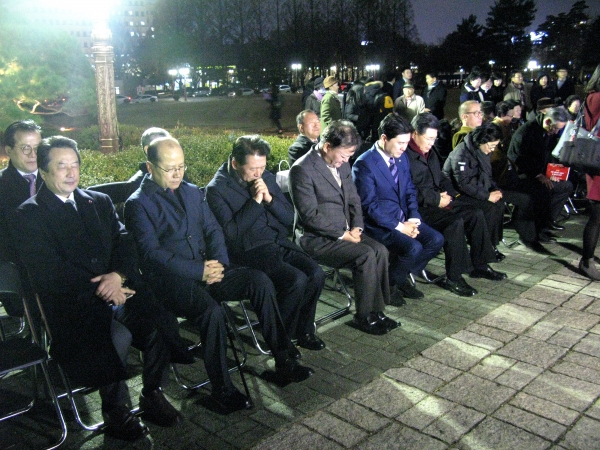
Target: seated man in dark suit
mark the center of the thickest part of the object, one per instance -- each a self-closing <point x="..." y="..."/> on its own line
<point x="70" y="241"/>
<point x="309" y="127"/>
<point x="255" y="217"/>
<point x="436" y="195"/>
<point x="389" y="204"/>
<point x="184" y="259"/>
<point x="330" y="223"/>
<point x="19" y="180"/>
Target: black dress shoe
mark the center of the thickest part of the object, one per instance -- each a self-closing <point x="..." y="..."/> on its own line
<point x="294" y="352"/>
<point x="181" y="355"/>
<point x="460" y="287"/>
<point x="370" y="324"/>
<point x="409" y="291"/>
<point x="396" y="298"/>
<point x="499" y="256"/>
<point x="157" y="409"/>
<point x="230" y="399"/>
<point x="388" y="323"/>
<point x="291" y="370"/>
<point x="555" y="226"/>
<point x="311" y="342"/>
<point x="488" y="273"/>
<point x="121" y="423"/>
<point x="546" y="239"/>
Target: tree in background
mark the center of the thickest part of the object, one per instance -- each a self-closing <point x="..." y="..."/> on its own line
<point x="506" y="34"/>
<point x="42" y="73"/>
<point x="463" y="47"/>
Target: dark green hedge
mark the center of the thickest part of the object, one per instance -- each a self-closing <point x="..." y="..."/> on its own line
<point x="204" y="153"/>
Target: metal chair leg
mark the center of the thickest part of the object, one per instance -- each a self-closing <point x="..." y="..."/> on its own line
<point x="343" y="289"/>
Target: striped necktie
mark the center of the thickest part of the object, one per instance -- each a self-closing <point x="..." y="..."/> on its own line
<point x="31" y="180"/>
<point x="394" y="170"/>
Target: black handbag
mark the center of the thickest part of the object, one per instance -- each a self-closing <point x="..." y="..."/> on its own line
<point x="582" y="148"/>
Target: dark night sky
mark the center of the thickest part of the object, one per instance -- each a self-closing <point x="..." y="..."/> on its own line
<point x="437" y="18"/>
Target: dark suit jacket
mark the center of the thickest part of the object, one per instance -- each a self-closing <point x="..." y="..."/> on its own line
<point x="14" y="190"/>
<point x="381" y="199"/>
<point x="529" y="149"/>
<point x="435" y="100"/>
<point x="173" y="237"/>
<point x="246" y="224"/>
<point x="299" y="148"/>
<point x="63" y="250"/>
<point x="324" y="208"/>
<point x="568" y="88"/>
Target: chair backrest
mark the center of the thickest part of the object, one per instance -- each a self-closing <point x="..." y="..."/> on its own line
<point x="119" y="192"/>
<point x="10" y="289"/>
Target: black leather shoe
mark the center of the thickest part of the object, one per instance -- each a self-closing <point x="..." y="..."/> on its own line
<point x="555" y="226"/>
<point x="460" y="287"/>
<point x="230" y="399"/>
<point x="370" y="324"/>
<point x="311" y="342"/>
<point x="121" y="423"/>
<point x="488" y="273"/>
<point x="157" y="409"/>
<point x="388" y="323"/>
<point x="291" y="370"/>
<point x="294" y="352"/>
<point x="182" y="355"/>
<point x="409" y="291"/>
<point x="396" y="298"/>
<point x="546" y="239"/>
<point x="499" y="256"/>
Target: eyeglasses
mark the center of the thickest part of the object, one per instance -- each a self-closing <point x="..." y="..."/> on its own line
<point x="27" y="149"/>
<point x="171" y="171"/>
<point x="477" y="113"/>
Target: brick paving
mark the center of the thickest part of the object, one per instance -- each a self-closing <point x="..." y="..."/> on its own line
<point x="515" y="367"/>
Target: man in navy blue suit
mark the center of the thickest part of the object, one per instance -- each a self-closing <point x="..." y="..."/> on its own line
<point x="390" y="206"/>
<point x="184" y="259"/>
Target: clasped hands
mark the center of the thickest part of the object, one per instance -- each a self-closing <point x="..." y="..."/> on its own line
<point x="213" y="271"/>
<point x="259" y="191"/>
<point x="352" y="235"/>
<point x="111" y="290"/>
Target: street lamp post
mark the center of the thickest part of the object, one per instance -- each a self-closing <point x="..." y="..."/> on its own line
<point x="105" y="88"/>
<point x="183" y="73"/>
<point x="173" y="73"/>
<point x="296" y="68"/>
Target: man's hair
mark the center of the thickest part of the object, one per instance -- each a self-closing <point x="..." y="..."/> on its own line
<point x="514" y="72"/>
<point x="152" y="133"/>
<point x="474" y="75"/>
<point x="487" y="108"/>
<point x="15" y="127"/>
<point x="340" y="133"/>
<point x="422" y="122"/>
<point x="512" y="103"/>
<point x="404" y="69"/>
<point x="394" y="124"/>
<point x="487" y="132"/>
<point x="559" y="114"/>
<point x="249" y="145"/>
<point x="154" y="147"/>
<point x="301" y="115"/>
<point x="464" y="107"/>
<point x="495" y="76"/>
<point x="502" y="109"/>
<point x="43" y="152"/>
<point x="390" y="76"/>
<point x="431" y="74"/>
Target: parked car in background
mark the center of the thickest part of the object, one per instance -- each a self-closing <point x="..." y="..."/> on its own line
<point x="201" y="92"/>
<point x="122" y="99"/>
<point x="144" y="99"/>
<point x="285" y="88"/>
<point x="241" y="92"/>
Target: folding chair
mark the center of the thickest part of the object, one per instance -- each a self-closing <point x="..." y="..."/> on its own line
<point x="339" y="286"/>
<point x="232" y="334"/>
<point x="21" y="354"/>
<point x="118" y="192"/>
<point x="10" y="298"/>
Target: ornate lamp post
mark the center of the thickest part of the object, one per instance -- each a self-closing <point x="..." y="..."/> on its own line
<point x="105" y="89"/>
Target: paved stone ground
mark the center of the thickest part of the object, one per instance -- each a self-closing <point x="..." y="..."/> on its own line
<point x="516" y="367"/>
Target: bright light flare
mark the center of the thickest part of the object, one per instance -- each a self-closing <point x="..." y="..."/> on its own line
<point x="98" y="10"/>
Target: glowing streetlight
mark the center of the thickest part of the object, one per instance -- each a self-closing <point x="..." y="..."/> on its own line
<point x="183" y="73"/>
<point x="372" y="68"/>
<point x="296" y="67"/>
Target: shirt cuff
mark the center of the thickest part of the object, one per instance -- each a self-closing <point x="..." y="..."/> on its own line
<point x="400" y="226"/>
<point x="415" y="220"/>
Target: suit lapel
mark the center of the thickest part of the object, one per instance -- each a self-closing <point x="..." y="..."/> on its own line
<point x="385" y="170"/>
<point x="322" y="168"/>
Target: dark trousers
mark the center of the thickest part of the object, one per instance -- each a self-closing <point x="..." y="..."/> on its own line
<point x="368" y="260"/>
<point x="559" y="194"/>
<point x="493" y="213"/>
<point x="130" y="327"/>
<point x="591" y="230"/>
<point x="298" y="280"/>
<point x="201" y="303"/>
<point x="411" y="254"/>
<point x="458" y="228"/>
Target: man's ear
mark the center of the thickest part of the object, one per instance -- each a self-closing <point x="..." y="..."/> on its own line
<point x="234" y="163"/>
<point x="149" y="167"/>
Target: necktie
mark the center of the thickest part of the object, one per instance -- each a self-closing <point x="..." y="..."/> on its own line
<point x="31" y="179"/>
<point x="394" y="170"/>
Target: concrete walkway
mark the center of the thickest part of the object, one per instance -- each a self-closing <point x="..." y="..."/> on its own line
<point x="516" y="367"/>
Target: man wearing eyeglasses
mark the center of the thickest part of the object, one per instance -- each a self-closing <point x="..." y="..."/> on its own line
<point x="20" y="179"/>
<point x="471" y="117"/>
<point x="184" y="259"/>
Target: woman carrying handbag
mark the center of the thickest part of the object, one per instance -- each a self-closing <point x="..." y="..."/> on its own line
<point x="591" y="231"/>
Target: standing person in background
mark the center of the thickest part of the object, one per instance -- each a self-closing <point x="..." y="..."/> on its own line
<point x="407" y="76"/>
<point x="313" y="101"/>
<point x="592" y="228"/>
<point x="543" y="88"/>
<point x="519" y="91"/>
<point x="355" y="109"/>
<point x="434" y="95"/>
<point x="275" y="110"/>
<point x="331" y="107"/>
<point x="470" y="90"/>
<point x="563" y="85"/>
<point x="497" y="90"/>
